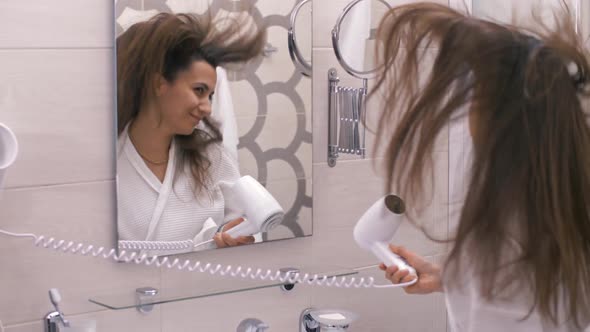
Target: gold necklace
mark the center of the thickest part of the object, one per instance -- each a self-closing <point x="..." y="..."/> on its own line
<point x="151" y="161"/>
<point x="144" y="157"/>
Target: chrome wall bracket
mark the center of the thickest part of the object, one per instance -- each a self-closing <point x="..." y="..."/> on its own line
<point x="346" y="118"/>
<point x="143" y="298"/>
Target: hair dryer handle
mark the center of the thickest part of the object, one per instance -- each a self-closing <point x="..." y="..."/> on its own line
<point x="381" y="250"/>
<point x="245" y="228"/>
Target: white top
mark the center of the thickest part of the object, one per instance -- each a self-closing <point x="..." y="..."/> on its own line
<point x="150" y="210"/>
<point x="468" y="311"/>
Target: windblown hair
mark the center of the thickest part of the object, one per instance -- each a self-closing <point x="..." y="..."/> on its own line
<point x="168" y="44"/>
<point x="530" y="175"/>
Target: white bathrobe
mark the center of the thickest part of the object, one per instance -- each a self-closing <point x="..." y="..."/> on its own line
<point x="150" y="210"/>
<point x="468" y="310"/>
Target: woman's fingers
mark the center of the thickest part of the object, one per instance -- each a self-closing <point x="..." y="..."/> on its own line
<point x="402" y="252"/>
<point x="219" y="241"/>
<point x="399" y="276"/>
<point x="407" y="278"/>
<point x="390" y="271"/>
<point x="223" y="240"/>
<point x="229" y="240"/>
<point x="245" y="239"/>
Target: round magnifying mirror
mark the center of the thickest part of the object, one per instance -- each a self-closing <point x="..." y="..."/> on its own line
<point x="300" y="37"/>
<point x="354" y="36"/>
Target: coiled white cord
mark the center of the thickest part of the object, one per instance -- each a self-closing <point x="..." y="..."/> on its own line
<point x="156" y="245"/>
<point x="236" y="272"/>
<point x="161" y="245"/>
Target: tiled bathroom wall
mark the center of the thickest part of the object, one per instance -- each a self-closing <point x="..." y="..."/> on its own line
<point x="56" y="93"/>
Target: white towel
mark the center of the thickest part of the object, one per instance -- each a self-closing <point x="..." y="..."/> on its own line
<point x="223" y="113"/>
<point x="189" y="6"/>
<point x="354" y="33"/>
<point x="130" y="16"/>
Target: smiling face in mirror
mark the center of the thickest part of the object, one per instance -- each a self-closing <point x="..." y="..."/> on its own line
<point x="179" y="118"/>
<point x="176" y="108"/>
<point x="186" y="100"/>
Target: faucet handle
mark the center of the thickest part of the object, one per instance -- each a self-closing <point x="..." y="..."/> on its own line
<point x="262" y="327"/>
<point x="55" y="298"/>
<point x="315" y="320"/>
<point x="252" y="325"/>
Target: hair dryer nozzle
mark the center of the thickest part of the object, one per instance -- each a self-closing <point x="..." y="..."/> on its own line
<point x="377" y="227"/>
<point x="395" y="204"/>
<point x="260" y="209"/>
<point x="380" y="221"/>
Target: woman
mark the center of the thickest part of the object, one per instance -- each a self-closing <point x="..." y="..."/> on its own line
<point x="170" y="159"/>
<point x="520" y="259"/>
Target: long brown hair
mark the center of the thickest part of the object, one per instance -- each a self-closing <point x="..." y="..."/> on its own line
<point x="530" y="173"/>
<point x="167" y="44"/>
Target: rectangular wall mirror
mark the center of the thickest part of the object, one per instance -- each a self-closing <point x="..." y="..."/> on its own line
<point x="192" y="121"/>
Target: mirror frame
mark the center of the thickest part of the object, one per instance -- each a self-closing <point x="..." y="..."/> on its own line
<point x="303" y="66"/>
<point x="299" y="204"/>
<point x="336" y="39"/>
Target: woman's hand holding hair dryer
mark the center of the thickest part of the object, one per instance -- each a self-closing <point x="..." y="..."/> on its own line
<point x="429" y="274"/>
<point x="223" y="239"/>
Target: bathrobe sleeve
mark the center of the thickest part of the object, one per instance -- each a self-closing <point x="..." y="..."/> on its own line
<point x="229" y="171"/>
<point x="223" y="168"/>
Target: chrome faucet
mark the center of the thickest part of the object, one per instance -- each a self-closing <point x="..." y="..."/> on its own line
<point x="314" y="320"/>
<point x="252" y="325"/>
<point x="55" y="317"/>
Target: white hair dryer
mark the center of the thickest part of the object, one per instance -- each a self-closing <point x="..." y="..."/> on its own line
<point x="8" y="151"/>
<point x="259" y="208"/>
<point x="377" y="227"/>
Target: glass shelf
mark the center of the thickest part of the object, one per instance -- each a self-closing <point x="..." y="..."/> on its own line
<point x="130" y="299"/>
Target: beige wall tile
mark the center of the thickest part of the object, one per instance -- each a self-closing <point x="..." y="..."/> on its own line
<point x="59" y="103"/>
<point x="280" y="310"/>
<point x="81" y="213"/>
<point x="42" y="24"/>
<point x="517" y="12"/>
<point x="271" y="7"/>
<point x="277" y="67"/>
